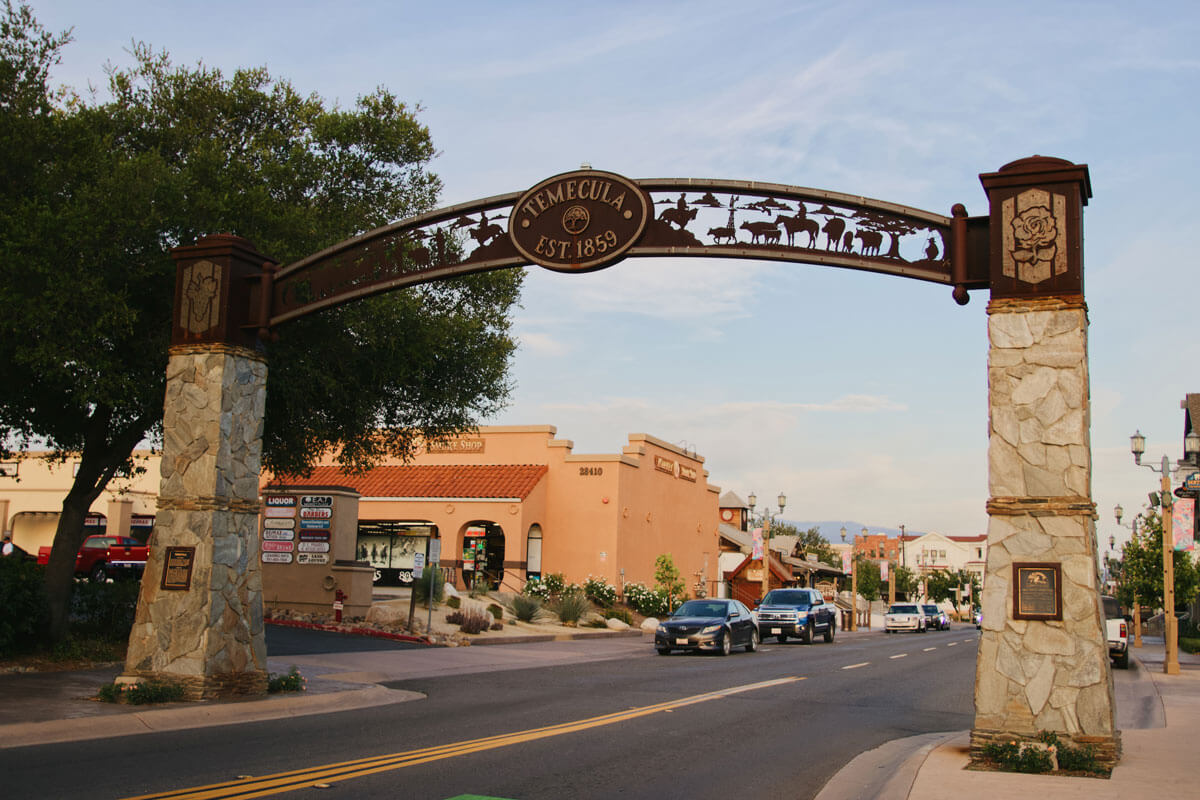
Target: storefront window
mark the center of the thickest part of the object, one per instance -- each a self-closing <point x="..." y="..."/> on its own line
<point x="390" y="546"/>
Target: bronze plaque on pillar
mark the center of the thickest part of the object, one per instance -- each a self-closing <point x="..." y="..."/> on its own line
<point x="1037" y="591"/>
<point x="177" y="568"/>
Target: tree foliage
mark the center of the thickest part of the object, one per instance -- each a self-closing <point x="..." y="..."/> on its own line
<point x="97" y="191"/>
<point x="1139" y="571"/>
<point x="940" y="585"/>
<point x="868" y="577"/>
<point x="667" y="579"/>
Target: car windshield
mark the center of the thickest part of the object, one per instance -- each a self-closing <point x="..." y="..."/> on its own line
<point x="787" y="597"/>
<point x="931" y="609"/>
<point x="701" y="608"/>
<point x="903" y="610"/>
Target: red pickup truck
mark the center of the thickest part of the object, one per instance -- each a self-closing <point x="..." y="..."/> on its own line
<point x="103" y="556"/>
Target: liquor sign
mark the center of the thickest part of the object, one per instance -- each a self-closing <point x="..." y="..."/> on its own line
<point x="279" y="500"/>
<point x="277" y="558"/>
<point x="278" y="547"/>
<point x="1183" y="520"/>
<point x="312" y="558"/>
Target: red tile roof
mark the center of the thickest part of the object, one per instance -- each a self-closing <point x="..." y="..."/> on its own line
<point x="479" y="481"/>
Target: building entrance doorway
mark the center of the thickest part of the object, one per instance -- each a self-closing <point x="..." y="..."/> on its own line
<point x="483" y="555"/>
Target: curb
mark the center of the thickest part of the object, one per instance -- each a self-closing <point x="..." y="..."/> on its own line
<point x="181" y="717"/>
<point x="373" y="632"/>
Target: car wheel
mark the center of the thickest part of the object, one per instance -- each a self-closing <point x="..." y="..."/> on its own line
<point x="664" y="651"/>
<point x="829" y="631"/>
<point x="752" y="645"/>
<point x="921" y="628"/>
<point x="807" y="636"/>
<point x="98" y="573"/>
<point x="726" y="644"/>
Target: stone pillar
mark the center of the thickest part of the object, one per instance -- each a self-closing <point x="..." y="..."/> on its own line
<point x="1043" y="659"/>
<point x="199" y="620"/>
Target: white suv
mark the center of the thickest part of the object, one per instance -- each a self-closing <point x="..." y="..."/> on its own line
<point x="1116" y="631"/>
<point x="904" y="617"/>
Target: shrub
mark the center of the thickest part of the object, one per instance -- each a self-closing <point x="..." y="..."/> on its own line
<point x="143" y="693"/>
<point x="430" y="577"/>
<point x="1073" y="759"/>
<point x="474" y="620"/>
<point x="1014" y="757"/>
<point x="555" y="583"/>
<point x="453" y="602"/>
<point x="647" y="602"/>
<point x="496" y="611"/>
<point x="23" y="600"/>
<point x="596" y="623"/>
<point x="668" y="580"/>
<point x="535" y="587"/>
<point x="497" y="625"/>
<point x="104" y="610"/>
<point x="570" y="607"/>
<point x="526" y="608"/>
<point x="293" y="681"/>
<point x="599" y="591"/>
<point x="480" y="587"/>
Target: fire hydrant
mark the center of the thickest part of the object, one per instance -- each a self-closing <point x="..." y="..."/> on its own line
<point x="338" y="597"/>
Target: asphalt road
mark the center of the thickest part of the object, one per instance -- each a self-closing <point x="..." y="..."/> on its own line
<point x="776" y="723"/>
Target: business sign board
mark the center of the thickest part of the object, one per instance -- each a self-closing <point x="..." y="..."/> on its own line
<point x="316" y="513"/>
<point x="313" y="547"/>
<point x="277" y="558"/>
<point x="276" y="512"/>
<point x="279" y="523"/>
<point x="312" y="558"/>
<point x="311" y="500"/>
<point x="279" y="500"/>
<point x="271" y="534"/>
<point x="278" y="547"/>
<point x="314" y="524"/>
<point x="314" y="536"/>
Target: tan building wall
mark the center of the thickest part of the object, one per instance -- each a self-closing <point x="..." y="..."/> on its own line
<point x="33" y="486"/>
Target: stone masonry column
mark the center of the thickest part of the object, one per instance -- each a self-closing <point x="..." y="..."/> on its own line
<point x="199" y="619"/>
<point x="1043" y="659"/>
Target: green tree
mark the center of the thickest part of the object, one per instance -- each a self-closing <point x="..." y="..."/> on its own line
<point x="940" y="585"/>
<point x="905" y="578"/>
<point x="868" y="577"/>
<point x="667" y="578"/>
<point x="97" y="191"/>
<point x="1140" y="569"/>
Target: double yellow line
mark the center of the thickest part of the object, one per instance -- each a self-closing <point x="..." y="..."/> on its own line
<point x="246" y="788"/>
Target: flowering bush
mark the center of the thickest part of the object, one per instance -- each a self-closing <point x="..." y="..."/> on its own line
<point x="555" y="582"/>
<point x="535" y="587"/>
<point x="599" y="591"/>
<point x="648" y="602"/>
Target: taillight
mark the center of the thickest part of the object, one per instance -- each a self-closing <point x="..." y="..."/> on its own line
<point x="1123" y="631"/>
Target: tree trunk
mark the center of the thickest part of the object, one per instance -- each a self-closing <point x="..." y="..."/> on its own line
<point x="60" y="571"/>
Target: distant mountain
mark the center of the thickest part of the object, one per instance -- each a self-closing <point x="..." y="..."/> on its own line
<point x="832" y="530"/>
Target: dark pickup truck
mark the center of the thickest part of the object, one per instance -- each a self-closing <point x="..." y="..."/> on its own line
<point x="802" y="613"/>
<point x="103" y="556"/>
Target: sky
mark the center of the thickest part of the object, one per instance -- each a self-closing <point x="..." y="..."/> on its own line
<point x="860" y="396"/>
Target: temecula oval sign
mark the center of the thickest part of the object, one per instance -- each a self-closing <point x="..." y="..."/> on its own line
<point x="579" y="221"/>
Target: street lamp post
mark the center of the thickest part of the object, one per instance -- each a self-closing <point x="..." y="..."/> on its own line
<point x="903" y="561"/>
<point x="868" y="609"/>
<point x="766" y="518"/>
<point x="1191" y="446"/>
<point x="854" y="585"/>
<point x="1137" y="607"/>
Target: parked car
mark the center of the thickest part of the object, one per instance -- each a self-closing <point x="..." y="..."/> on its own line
<point x="977" y="615"/>
<point x="935" y="618"/>
<point x="101" y="557"/>
<point x="802" y="613"/>
<point x="712" y="624"/>
<point x="905" y="617"/>
<point x="1116" y="630"/>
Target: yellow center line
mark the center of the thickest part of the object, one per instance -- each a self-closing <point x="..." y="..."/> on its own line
<point x="329" y="773"/>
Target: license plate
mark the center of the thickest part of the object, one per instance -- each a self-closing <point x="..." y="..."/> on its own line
<point x="681" y="640"/>
<point x="776" y="630"/>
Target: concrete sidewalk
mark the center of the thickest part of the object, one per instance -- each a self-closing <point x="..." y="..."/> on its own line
<point x="1159" y="719"/>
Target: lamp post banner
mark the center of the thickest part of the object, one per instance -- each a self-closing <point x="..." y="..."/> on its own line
<point x="757" y="535"/>
<point x="1183" y="520"/>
